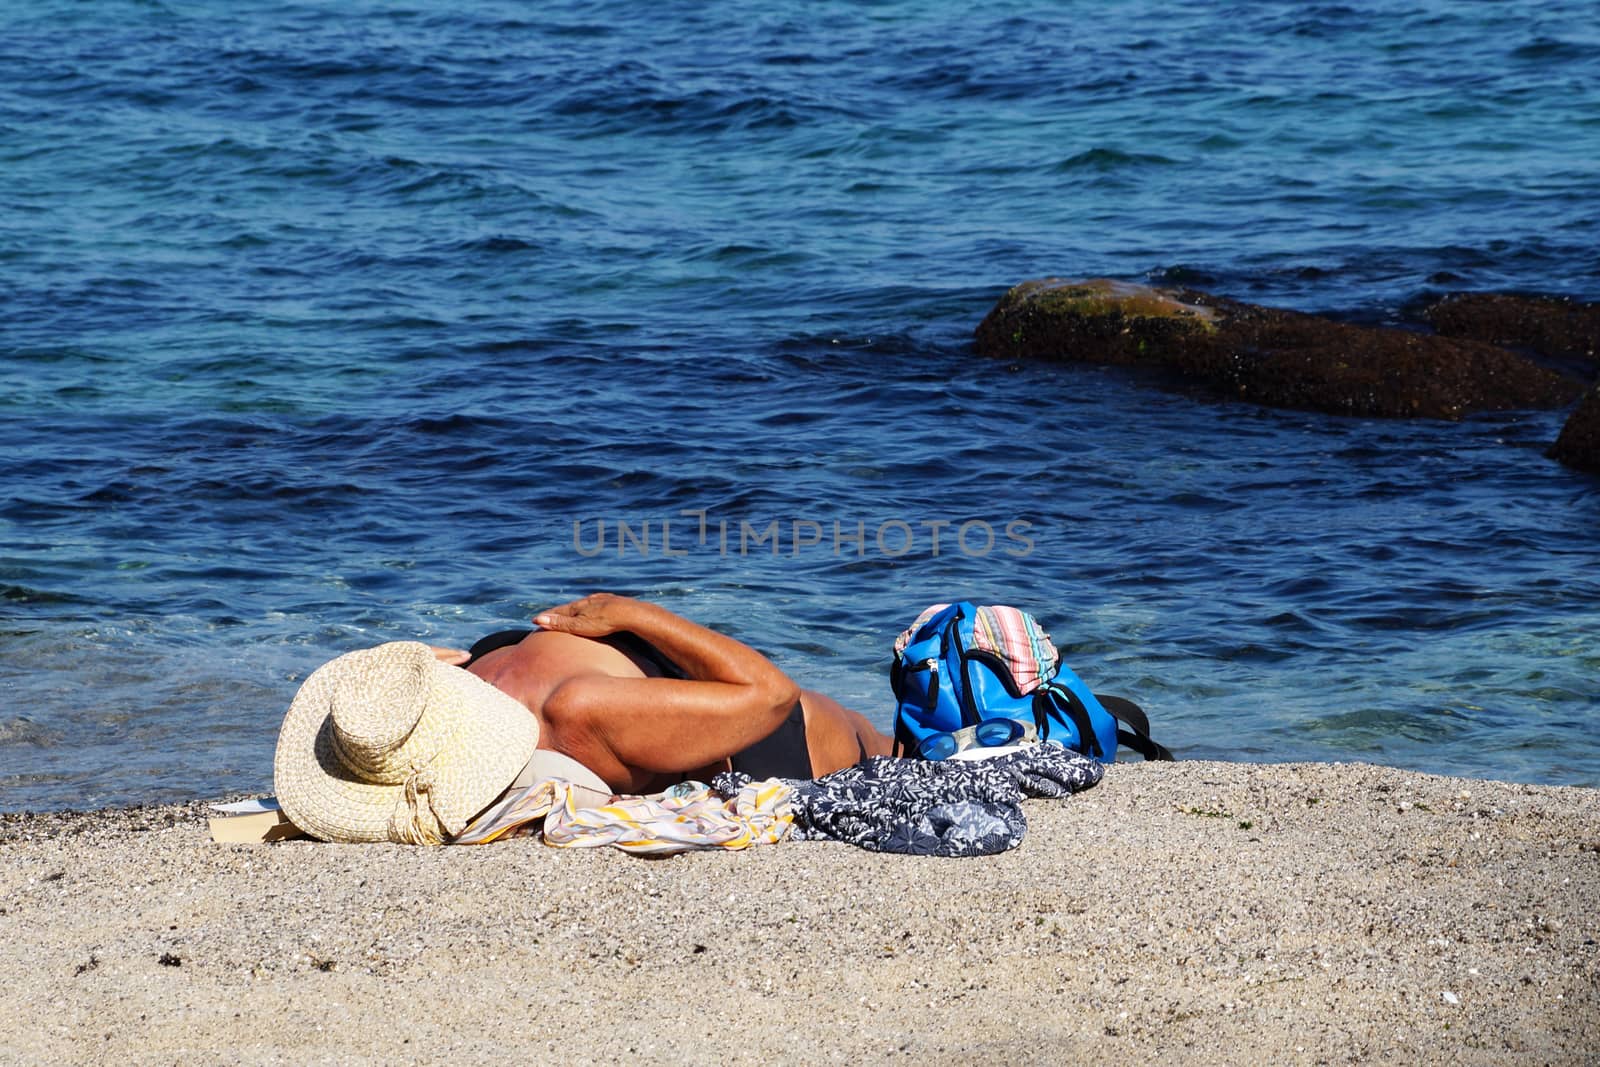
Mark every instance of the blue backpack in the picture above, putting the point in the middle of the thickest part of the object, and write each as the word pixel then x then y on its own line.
pixel 960 664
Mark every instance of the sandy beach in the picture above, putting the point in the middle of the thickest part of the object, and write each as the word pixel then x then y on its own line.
pixel 1190 912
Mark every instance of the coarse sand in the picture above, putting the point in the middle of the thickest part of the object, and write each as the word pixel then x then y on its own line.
pixel 1188 913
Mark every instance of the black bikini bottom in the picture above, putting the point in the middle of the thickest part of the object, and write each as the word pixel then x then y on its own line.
pixel 781 754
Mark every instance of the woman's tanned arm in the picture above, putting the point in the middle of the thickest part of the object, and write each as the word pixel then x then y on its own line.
pixel 734 696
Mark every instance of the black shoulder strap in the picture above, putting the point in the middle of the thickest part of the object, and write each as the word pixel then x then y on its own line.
pixel 1052 695
pixel 905 744
pixel 1150 750
pixel 1137 734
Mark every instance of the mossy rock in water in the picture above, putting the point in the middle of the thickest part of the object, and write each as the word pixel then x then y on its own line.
pixel 1266 355
pixel 1578 446
pixel 1552 325
pixel 1098 320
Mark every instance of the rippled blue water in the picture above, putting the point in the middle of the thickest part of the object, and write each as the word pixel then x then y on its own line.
pixel 325 323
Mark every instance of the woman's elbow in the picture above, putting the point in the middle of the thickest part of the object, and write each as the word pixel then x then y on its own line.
pixel 782 696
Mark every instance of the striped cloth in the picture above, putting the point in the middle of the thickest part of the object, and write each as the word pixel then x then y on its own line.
pixel 687 817
pixel 1009 633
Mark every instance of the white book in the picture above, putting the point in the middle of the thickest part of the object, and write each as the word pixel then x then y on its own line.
pixel 251 822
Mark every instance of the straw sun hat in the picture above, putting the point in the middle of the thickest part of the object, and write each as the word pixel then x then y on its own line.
pixel 389 744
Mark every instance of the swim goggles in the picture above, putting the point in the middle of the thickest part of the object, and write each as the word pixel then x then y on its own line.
pixel 990 733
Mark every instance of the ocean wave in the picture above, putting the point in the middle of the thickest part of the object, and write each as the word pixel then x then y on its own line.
pixel 1110 159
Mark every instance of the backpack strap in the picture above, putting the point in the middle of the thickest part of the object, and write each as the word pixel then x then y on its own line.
pixel 1137 734
pixel 1053 695
pixel 905 743
pixel 1150 750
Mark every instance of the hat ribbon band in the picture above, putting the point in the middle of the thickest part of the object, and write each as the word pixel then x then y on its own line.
pixel 417 823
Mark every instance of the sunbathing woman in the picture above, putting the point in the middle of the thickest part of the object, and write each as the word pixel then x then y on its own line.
pixel 612 695
pixel 645 698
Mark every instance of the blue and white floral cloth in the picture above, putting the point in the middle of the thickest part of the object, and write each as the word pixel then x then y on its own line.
pixel 928 808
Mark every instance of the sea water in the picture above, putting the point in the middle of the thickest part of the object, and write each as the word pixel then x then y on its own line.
pixel 333 323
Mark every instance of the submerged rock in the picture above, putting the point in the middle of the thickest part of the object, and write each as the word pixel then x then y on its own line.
pixel 1554 326
pixel 1578 446
pixel 1561 329
pixel 1095 321
pixel 1266 355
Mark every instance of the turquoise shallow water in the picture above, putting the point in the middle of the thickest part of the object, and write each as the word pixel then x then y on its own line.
pixel 325 326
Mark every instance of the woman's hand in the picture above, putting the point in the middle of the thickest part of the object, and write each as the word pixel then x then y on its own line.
pixel 593 616
pixel 453 656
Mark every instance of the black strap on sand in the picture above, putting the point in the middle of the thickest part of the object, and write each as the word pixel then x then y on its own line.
pixel 1137 734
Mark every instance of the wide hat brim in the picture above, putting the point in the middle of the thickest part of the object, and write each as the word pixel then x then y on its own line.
pixel 487 737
